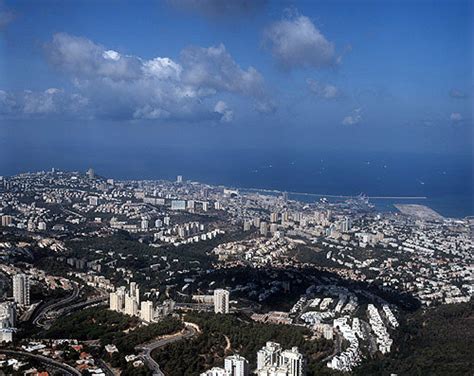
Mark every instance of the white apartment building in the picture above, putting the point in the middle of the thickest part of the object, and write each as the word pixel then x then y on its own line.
pixel 21 289
pixel 272 361
pixel 293 360
pixel 7 315
pixel 131 306
pixel 221 301
pixel 146 311
pixel 236 365
pixel 269 355
pixel 117 300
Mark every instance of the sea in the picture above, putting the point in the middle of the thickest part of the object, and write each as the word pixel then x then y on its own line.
pixel 441 182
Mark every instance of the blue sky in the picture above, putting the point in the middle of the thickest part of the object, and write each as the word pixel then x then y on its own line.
pixel 339 75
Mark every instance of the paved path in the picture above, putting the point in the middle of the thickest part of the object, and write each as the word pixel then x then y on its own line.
pixel 146 349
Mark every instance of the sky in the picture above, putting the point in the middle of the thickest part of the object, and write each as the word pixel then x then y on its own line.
pixel 126 76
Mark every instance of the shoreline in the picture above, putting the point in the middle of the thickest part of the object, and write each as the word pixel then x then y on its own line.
pixel 334 196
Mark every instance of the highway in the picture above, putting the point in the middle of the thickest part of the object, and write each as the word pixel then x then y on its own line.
pixel 41 315
pixel 147 349
pixel 65 369
pixel 50 311
pixel 65 310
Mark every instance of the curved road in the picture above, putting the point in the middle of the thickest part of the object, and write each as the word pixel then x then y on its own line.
pixel 49 312
pixel 146 349
pixel 64 368
pixel 52 306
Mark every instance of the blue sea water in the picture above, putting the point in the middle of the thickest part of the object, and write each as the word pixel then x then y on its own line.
pixel 445 181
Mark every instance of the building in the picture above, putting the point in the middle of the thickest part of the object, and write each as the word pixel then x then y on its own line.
pixel 93 200
pixel 269 355
pixel 146 311
pixel 236 365
pixel 131 306
pixel 166 308
pixel 346 225
pixel 134 291
pixel 221 301
pixel 6 335
pixel 117 300
pixel 90 173
pixel 256 222
pixel 7 315
pixel 179 179
pixel 215 371
pixel 6 220
pixel 273 371
pixel 293 360
pixel 263 228
pixel 178 205
pixel 272 361
pixel 126 302
pixel 31 226
pixel 21 289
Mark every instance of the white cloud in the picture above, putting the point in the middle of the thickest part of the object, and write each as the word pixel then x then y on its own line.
pixel 49 102
pixel 111 55
pixel 214 68
pixel 354 118
pixel 456 117
pixel 222 109
pixel 115 85
pixel 8 103
pixel 326 91
pixel 85 59
pixel 162 68
pixel 297 42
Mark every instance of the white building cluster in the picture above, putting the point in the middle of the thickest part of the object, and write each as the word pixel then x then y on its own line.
pixel 384 341
pixel 234 365
pixel 350 357
pixel 128 302
pixel 273 361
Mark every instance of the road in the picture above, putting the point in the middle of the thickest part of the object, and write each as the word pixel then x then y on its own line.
pixel 40 316
pixel 146 349
pixel 107 370
pixel 50 311
pixel 65 369
pixel 66 310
